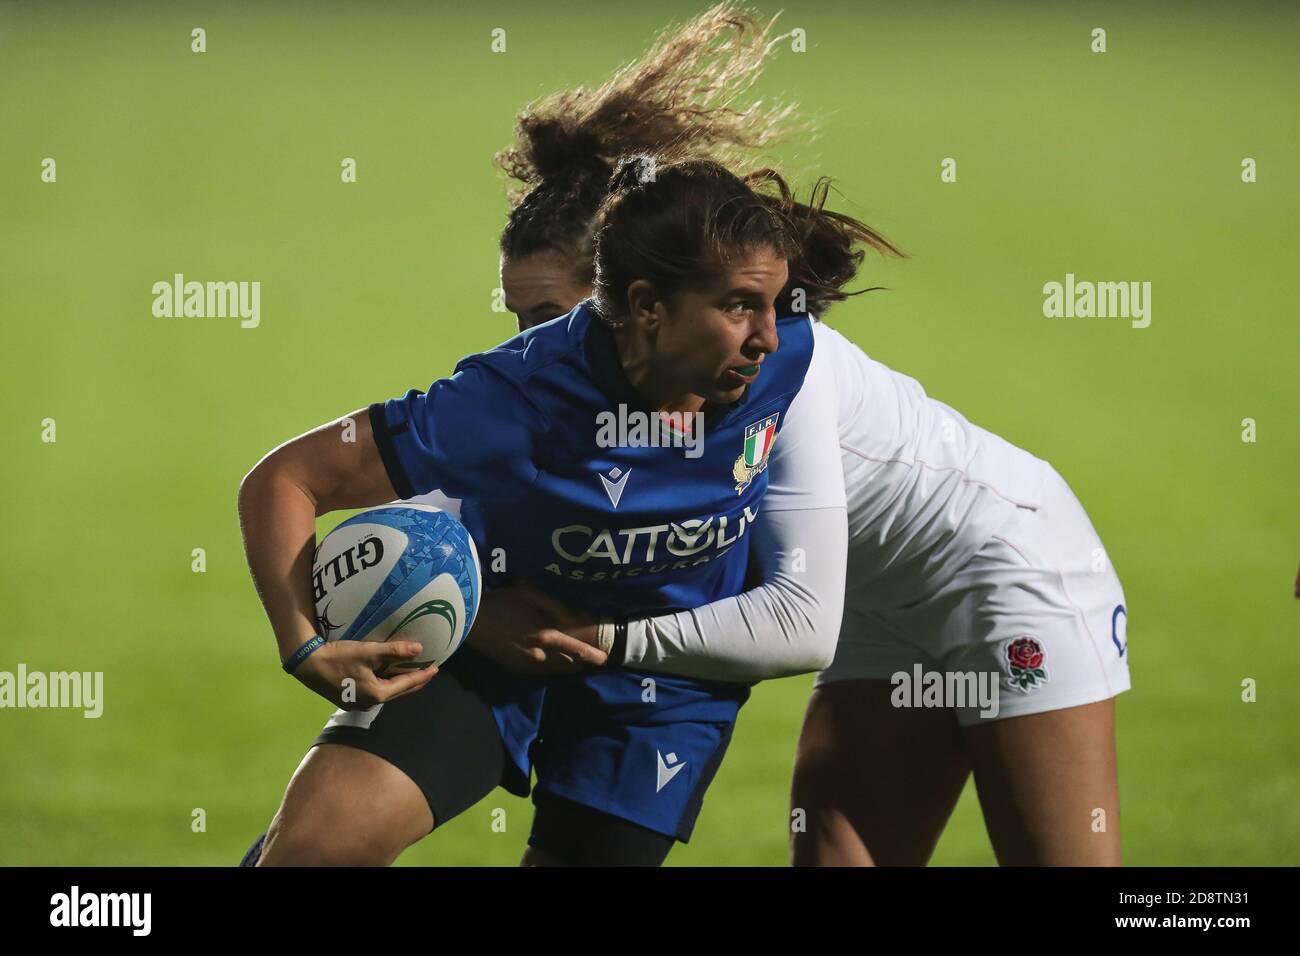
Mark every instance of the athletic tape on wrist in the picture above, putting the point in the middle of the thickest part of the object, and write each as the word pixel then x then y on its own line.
pixel 605 634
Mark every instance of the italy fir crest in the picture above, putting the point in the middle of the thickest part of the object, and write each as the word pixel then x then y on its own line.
pixel 758 445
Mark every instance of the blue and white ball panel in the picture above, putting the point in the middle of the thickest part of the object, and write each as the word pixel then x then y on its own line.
pixel 406 571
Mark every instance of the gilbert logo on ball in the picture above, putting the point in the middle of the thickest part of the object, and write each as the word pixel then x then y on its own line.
pixel 408 572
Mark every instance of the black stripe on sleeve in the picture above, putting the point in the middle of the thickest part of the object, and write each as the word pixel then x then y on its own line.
pixel 387 453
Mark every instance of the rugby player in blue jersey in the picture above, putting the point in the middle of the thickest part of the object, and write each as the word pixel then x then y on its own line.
pixel 689 262
pixel 714 57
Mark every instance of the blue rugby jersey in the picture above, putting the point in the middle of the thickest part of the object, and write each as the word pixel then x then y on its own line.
pixel 513 432
pixel 614 530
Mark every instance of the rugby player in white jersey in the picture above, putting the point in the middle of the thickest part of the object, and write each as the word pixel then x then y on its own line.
pixel 966 556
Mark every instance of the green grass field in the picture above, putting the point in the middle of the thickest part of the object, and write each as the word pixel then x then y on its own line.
pixel 1123 165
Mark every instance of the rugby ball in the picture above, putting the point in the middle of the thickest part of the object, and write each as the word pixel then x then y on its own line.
pixel 400 571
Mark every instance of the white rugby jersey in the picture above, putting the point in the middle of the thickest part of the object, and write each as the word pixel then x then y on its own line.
pixel 925 488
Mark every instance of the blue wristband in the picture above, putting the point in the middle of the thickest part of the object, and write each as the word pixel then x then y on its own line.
pixel 302 653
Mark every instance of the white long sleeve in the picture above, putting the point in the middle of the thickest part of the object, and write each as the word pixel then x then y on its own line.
pixel 789 624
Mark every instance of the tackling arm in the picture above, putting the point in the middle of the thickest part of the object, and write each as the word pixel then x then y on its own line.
pixel 791 623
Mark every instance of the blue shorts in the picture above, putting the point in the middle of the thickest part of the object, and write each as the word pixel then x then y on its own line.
pixel 642 747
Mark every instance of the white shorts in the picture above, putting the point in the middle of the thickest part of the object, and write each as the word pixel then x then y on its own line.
pixel 1038 612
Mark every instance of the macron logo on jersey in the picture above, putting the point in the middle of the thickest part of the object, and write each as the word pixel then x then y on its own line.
pixel 668 768
pixel 614 489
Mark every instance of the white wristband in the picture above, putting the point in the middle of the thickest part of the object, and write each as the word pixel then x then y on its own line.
pixel 605 635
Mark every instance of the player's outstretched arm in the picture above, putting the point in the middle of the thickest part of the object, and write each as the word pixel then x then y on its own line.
pixel 279 501
pixel 789 625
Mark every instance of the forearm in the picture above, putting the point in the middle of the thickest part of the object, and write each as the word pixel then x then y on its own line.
pixel 788 625
pixel 279 501
pixel 278 521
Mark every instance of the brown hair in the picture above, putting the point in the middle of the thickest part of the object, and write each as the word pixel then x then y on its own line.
pixel 829 246
pixel 677 226
pixel 677 103
pixel 679 100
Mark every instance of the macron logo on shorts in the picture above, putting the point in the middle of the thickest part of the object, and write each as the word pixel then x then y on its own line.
pixel 668 768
